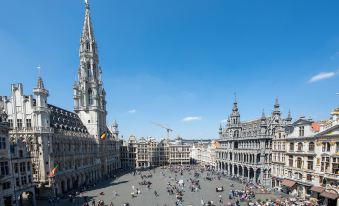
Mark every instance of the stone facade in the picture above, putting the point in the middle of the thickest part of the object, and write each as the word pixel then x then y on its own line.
pixel 179 152
pixel 145 153
pixel 16 185
pixel 204 153
pixel 312 160
pixel 246 147
pixel 278 152
pixel 71 141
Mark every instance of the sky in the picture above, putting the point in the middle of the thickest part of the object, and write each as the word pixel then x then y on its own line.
pixel 179 62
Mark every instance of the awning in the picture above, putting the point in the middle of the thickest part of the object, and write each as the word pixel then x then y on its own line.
pixel 288 183
pixel 317 189
pixel 329 195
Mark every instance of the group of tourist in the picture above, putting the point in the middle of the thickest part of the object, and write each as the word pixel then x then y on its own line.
pixel 183 180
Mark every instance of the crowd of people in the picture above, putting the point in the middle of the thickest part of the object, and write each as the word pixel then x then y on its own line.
pixel 184 181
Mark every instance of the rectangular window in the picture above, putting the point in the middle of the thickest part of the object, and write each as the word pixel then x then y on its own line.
pixel 22 167
pixel 10 121
pixel 19 123
pixel 2 143
pixel 309 177
pixel 310 163
pixel 4 169
pixel 17 180
pixel 290 160
pixel 16 167
pixel 6 185
pixel 301 131
pixel 28 123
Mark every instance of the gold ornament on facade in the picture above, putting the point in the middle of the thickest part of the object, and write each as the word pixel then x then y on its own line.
pixel 318 143
pixel 333 143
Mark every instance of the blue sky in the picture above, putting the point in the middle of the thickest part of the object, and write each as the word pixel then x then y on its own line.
pixel 167 61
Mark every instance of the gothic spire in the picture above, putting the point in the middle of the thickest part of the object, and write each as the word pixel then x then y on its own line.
pixel 89 94
pixel 289 116
pixel 87 29
pixel 276 106
pixel 40 84
pixel 263 116
pixel 235 103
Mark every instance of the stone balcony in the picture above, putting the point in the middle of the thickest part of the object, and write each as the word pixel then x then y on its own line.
pixel 32 130
pixel 300 152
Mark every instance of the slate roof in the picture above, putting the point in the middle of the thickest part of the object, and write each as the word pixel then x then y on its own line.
pixel 66 120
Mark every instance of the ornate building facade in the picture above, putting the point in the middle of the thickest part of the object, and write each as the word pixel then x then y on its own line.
pixel 246 147
pixel 67 149
pixel 145 153
pixel 16 185
pixel 204 153
pixel 312 160
pixel 278 152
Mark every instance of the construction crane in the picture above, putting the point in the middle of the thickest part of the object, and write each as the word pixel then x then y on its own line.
pixel 168 130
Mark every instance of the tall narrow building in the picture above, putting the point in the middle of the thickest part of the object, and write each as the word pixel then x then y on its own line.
pixel 89 94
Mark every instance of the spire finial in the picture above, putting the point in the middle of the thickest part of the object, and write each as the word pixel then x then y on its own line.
pixel 235 97
pixel 39 70
pixel 276 102
pixel 289 116
pixel 87 4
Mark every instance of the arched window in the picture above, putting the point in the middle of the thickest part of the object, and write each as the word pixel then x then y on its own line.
pixel 90 96
pixel 236 133
pixel 291 146
pixel 300 146
pixel 311 146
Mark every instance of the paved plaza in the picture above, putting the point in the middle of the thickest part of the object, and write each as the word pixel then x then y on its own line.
pixel 124 185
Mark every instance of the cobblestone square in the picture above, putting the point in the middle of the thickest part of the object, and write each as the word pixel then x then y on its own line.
pixel 124 185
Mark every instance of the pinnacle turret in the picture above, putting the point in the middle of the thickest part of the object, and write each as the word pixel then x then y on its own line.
pixel 276 107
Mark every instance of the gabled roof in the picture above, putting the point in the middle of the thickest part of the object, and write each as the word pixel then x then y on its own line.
pixel 328 131
pixel 302 121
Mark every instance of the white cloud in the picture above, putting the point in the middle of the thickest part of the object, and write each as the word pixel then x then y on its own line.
pixel 190 119
pixel 322 76
pixel 132 111
pixel 224 121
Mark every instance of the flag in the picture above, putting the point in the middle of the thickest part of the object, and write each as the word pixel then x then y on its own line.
pixel 54 171
pixel 108 135
pixel 103 136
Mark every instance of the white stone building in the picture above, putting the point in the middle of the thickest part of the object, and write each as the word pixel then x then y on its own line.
pixel 246 147
pixel 72 142
pixel 312 160
pixel 204 153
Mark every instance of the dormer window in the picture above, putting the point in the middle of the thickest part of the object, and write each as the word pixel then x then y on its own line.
pixel 301 131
